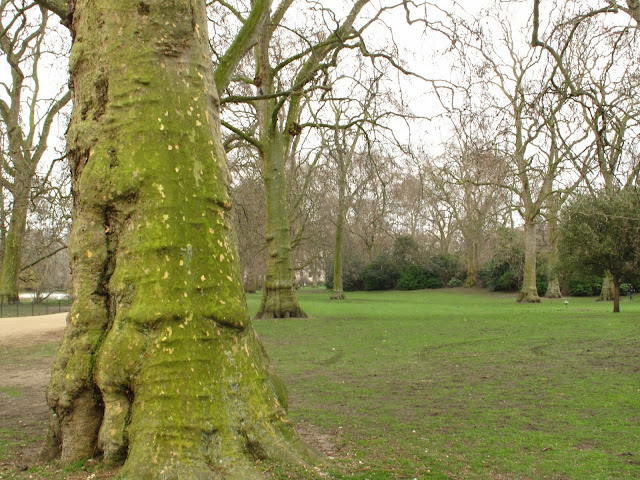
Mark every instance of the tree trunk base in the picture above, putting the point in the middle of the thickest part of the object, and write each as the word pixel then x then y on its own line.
pixel 10 299
pixel 162 394
pixel 553 290
pixel 470 282
pixel 528 297
pixel 279 303
pixel 337 296
pixel 608 292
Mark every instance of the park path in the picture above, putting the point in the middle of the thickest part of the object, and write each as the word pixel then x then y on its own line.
pixel 18 329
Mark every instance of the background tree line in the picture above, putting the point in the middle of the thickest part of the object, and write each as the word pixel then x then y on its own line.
pixel 523 133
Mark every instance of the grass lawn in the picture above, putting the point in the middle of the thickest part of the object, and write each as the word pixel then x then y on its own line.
pixel 459 384
pixel 436 384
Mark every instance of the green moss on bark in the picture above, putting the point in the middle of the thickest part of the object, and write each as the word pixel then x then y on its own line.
pixel 159 348
pixel 529 291
pixel 278 297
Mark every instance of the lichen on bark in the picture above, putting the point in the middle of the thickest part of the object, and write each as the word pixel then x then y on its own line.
pixel 159 366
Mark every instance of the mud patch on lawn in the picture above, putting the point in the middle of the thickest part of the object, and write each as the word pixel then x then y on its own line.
pixel 329 443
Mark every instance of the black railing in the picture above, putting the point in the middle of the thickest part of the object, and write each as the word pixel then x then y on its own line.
pixel 32 309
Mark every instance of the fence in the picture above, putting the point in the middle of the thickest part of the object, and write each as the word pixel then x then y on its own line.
pixel 32 309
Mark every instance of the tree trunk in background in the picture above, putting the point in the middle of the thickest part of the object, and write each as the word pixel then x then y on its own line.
pixel 553 286
pixel 278 293
pixel 472 265
pixel 13 246
pixel 616 294
pixel 529 291
pixel 608 288
pixel 159 364
pixel 338 287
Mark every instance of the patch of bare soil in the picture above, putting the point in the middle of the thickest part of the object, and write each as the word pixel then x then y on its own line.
pixel 329 443
pixel 23 383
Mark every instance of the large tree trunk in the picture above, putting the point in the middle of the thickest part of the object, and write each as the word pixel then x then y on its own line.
pixel 529 291
pixel 338 288
pixel 553 288
pixel 159 365
pixel 278 295
pixel 13 247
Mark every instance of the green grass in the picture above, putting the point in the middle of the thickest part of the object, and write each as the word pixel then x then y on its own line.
pixel 465 384
pixel 11 391
pixel 27 356
pixel 445 384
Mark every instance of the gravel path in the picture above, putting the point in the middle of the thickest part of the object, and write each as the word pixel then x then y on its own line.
pixel 17 328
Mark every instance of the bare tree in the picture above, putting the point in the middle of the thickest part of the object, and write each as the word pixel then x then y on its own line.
pixel 524 97
pixel 28 112
pixel 470 172
pixel 596 60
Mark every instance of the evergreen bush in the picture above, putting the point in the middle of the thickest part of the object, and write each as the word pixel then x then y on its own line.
pixel 380 274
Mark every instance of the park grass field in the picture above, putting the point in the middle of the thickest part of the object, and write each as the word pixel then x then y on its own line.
pixel 464 384
pixel 435 384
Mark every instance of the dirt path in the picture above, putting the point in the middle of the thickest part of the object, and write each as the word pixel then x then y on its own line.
pixel 27 349
pixel 19 331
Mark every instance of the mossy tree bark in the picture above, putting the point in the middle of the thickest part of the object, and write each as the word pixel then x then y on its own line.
pixel 13 247
pixel 159 366
pixel 607 293
pixel 529 290
pixel 278 297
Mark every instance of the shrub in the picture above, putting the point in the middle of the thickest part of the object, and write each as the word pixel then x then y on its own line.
pixel 433 282
pixel 413 278
pixel 624 288
pixel 416 278
pixel 498 276
pixel 455 282
pixel 542 283
pixel 584 286
pixel 380 274
pixel 506 282
pixel 406 252
pixel 449 266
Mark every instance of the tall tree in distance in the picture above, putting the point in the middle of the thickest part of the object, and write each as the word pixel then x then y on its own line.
pixel 596 59
pixel 278 121
pixel 602 232
pixel 348 152
pixel 525 96
pixel 27 115
pixel 159 367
